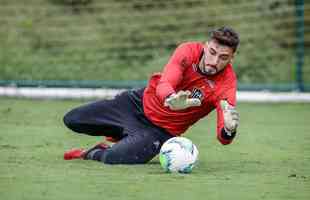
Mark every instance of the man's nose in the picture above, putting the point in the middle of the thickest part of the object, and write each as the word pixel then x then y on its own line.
pixel 213 61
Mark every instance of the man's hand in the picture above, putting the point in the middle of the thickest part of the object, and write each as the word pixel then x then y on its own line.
pixel 231 117
pixel 181 100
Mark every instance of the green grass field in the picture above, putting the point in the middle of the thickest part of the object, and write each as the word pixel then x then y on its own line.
pixel 270 158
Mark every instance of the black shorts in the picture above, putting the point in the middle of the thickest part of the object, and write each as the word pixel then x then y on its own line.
pixel 121 118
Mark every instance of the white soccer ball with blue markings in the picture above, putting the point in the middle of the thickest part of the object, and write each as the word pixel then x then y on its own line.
pixel 178 154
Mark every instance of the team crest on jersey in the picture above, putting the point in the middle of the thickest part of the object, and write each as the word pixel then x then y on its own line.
pixel 197 93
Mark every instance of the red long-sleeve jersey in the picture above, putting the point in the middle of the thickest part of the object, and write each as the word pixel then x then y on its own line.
pixel 182 73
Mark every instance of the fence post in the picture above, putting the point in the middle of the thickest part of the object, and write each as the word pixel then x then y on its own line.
pixel 300 51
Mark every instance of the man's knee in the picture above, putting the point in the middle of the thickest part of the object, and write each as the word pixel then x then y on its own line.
pixel 72 119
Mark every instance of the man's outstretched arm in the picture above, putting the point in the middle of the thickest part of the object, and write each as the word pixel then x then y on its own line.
pixel 227 117
pixel 172 74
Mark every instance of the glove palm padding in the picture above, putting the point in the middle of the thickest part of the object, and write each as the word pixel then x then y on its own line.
pixel 231 116
pixel 181 100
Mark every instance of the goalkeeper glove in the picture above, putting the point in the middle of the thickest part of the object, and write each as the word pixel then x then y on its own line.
pixel 231 117
pixel 181 100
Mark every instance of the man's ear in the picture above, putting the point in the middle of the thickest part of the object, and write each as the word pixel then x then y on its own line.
pixel 232 58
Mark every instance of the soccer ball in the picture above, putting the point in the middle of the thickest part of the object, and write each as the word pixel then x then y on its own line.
pixel 178 154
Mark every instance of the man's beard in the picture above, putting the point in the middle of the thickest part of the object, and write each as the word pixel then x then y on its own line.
pixel 207 70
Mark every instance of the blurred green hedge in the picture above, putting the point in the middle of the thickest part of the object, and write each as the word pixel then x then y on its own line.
pixel 128 40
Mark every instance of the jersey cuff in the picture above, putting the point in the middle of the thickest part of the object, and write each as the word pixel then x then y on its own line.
pixel 163 90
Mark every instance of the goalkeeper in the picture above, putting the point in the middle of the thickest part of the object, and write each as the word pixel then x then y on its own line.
pixel 197 79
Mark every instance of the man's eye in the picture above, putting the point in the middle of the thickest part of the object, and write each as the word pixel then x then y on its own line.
pixel 212 52
pixel 224 57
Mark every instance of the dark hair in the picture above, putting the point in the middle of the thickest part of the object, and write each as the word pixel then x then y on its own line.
pixel 226 36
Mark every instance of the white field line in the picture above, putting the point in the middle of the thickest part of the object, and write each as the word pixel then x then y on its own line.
pixel 265 96
pixel 58 93
pixel 88 93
